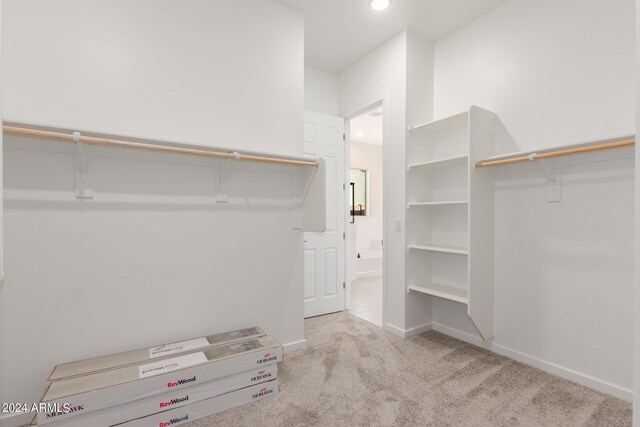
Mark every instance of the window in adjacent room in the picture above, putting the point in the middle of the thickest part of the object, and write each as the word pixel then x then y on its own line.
pixel 358 192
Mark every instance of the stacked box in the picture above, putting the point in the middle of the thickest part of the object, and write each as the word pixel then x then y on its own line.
pixel 171 400
pixel 207 407
pixel 224 374
pixel 98 364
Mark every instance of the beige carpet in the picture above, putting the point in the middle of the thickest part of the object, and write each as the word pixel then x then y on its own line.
pixel 356 374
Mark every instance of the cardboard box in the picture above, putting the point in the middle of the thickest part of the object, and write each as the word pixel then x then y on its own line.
pixel 104 389
pixel 98 364
pixel 171 400
pixel 204 408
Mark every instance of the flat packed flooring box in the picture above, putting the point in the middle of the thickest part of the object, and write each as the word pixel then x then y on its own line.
pixel 109 388
pixel 97 364
pixel 170 400
pixel 185 414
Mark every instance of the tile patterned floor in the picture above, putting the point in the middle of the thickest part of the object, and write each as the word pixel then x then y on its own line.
pixel 366 299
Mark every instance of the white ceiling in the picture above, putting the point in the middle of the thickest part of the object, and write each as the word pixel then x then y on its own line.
pixel 367 127
pixel 340 32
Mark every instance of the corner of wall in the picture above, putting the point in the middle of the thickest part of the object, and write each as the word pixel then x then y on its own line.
pixel 321 91
pixel 636 288
pixel 419 72
pixel 381 76
pixel 420 81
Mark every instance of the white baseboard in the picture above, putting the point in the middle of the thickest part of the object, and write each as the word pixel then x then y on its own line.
pixel 407 333
pixel 15 420
pixel 568 374
pixel 296 345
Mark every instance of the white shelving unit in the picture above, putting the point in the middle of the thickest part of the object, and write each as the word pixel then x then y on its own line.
pixel 441 248
pixel 450 219
pixel 443 203
pixel 450 293
pixel 441 163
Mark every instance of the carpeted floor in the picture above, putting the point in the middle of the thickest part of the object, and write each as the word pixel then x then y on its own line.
pixel 355 374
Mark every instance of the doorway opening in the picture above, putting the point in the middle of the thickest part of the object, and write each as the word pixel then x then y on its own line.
pixel 365 252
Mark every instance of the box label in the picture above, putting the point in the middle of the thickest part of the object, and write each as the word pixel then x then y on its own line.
pixel 168 365
pixel 264 391
pixel 174 421
pixel 178 347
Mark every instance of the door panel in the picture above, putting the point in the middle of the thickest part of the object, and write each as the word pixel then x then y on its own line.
pixel 331 278
pixel 325 252
pixel 309 274
pixel 332 196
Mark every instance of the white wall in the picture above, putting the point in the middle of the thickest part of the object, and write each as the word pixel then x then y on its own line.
pixel 191 72
pixel 555 73
pixel 383 75
pixel 320 91
pixel 636 288
pixel 420 68
pixel 153 258
pixel 1 174
pixel 566 65
pixel 368 228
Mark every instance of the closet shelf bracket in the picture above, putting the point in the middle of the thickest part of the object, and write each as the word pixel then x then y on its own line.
pixel 553 180
pixel 83 189
pixel 224 165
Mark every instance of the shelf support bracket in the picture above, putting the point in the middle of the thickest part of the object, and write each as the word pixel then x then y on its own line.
pixel 553 180
pixel 83 190
pixel 222 195
pixel 307 184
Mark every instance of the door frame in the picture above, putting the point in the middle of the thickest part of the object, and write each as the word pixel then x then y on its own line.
pixel 381 102
pixel 319 308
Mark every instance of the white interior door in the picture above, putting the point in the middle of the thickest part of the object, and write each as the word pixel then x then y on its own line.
pixel 324 253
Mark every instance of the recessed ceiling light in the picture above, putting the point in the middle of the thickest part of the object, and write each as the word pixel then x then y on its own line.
pixel 379 4
pixel 360 133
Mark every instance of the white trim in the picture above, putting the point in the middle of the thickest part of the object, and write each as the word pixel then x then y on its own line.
pixel 558 147
pixel 349 266
pixel 296 345
pixel 393 329
pixel 408 333
pixel 383 102
pixel 568 374
pixel 386 138
pixel 15 420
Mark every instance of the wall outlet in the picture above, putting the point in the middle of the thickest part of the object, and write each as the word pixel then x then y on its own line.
pixel 398 225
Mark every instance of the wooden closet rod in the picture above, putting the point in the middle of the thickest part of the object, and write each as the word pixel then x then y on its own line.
pixel 68 137
pixel 556 153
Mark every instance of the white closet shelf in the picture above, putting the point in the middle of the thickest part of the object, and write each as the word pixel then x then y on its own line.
pixel 441 163
pixel 456 250
pixel 450 121
pixel 433 180
pixel 57 134
pixel 309 173
pixel 447 292
pixel 557 151
pixel 443 203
